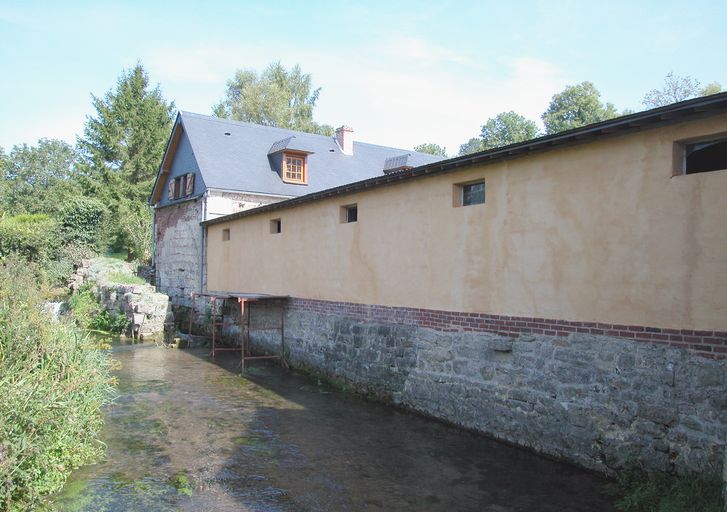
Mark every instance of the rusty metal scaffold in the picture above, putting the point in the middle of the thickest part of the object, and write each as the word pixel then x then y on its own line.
pixel 217 321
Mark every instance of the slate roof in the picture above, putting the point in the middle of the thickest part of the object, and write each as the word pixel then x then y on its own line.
pixel 683 111
pixel 233 155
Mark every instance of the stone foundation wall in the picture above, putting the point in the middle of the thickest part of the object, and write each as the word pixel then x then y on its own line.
pixel 148 311
pixel 177 250
pixel 595 399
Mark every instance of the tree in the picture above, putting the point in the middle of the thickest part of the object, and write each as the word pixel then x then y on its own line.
pixel 576 106
pixel 471 146
pixel 711 88
pixel 432 149
pixel 135 222
pixel 507 128
pixel 275 97
pixel 38 179
pixel 678 88
pixel 123 145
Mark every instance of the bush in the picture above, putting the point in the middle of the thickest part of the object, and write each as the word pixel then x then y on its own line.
pixel 53 384
pixel 58 271
pixel 641 491
pixel 84 306
pixel 107 322
pixel 89 314
pixel 135 224
pixel 35 237
pixel 84 222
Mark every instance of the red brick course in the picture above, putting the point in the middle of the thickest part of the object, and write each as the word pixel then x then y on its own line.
pixel 710 344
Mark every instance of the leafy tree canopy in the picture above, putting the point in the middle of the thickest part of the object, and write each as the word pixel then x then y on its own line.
pixel 37 179
pixel 471 146
pixel 275 97
pixel 507 128
pixel 678 88
pixel 123 143
pixel 432 149
pixel 576 106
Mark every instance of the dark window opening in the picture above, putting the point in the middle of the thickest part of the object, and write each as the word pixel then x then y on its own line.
pixel 473 193
pixel 225 235
pixel 705 156
pixel 181 186
pixel 349 213
pixel 275 226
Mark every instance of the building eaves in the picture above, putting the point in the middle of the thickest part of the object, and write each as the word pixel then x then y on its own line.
pixel 654 118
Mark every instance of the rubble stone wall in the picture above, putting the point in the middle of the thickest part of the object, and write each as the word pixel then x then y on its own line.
pixel 596 400
pixel 177 250
pixel 149 312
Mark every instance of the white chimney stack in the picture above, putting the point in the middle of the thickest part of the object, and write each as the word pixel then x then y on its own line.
pixel 344 138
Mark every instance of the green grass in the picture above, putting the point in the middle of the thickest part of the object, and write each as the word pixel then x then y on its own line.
pixel 640 491
pixel 123 278
pixel 119 256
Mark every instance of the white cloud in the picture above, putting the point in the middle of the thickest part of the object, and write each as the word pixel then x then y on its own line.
pixel 400 92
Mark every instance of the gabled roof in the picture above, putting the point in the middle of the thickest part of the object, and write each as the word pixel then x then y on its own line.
pixel 233 155
pixel 688 110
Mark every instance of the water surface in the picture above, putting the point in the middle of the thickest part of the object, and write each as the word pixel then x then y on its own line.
pixel 186 434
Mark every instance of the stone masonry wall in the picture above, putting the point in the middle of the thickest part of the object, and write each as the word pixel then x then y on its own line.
pixel 178 240
pixel 148 311
pixel 594 399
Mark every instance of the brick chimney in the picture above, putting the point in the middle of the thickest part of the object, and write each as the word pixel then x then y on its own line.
pixel 344 138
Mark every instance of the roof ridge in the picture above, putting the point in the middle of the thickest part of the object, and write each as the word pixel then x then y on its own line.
pixel 223 120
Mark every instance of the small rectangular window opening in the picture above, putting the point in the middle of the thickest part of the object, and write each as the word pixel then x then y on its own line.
pixel 705 156
pixel 349 213
pixel 225 235
pixel 467 194
pixel 275 226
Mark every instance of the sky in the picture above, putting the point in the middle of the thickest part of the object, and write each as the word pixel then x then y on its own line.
pixel 399 73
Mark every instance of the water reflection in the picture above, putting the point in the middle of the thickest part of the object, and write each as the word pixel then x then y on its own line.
pixel 185 434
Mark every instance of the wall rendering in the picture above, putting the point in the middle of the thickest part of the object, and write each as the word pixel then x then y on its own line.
pixel 599 232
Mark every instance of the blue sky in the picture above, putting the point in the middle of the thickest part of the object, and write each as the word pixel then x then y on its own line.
pixel 399 73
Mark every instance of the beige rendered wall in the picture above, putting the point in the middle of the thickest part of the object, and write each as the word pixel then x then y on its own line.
pixel 601 232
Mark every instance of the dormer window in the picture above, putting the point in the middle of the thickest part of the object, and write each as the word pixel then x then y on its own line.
pixel 295 168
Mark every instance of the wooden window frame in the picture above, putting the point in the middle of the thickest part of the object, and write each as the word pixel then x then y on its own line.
pixel 304 170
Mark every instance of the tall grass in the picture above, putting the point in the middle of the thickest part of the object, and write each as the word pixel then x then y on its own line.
pixel 53 384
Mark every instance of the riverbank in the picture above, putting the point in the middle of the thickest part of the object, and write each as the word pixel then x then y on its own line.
pixel 54 383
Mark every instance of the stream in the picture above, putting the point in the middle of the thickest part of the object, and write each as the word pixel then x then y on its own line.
pixel 189 434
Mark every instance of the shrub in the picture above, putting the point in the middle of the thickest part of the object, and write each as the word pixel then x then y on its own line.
pixel 84 220
pixel 89 314
pixel 135 224
pixel 53 384
pixel 58 271
pixel 84 306
pixel 107 322
pixel 35 237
